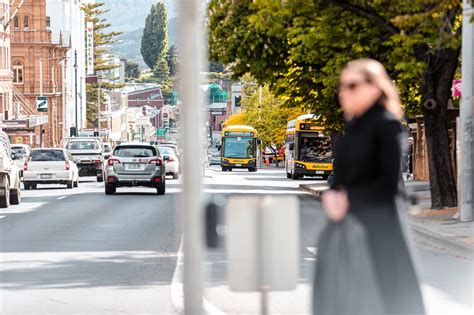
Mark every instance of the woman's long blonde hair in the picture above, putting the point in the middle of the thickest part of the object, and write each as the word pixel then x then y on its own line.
pixel 376 74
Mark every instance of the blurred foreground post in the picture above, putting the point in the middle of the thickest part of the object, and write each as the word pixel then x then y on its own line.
pixel 191 40
pixel 465 203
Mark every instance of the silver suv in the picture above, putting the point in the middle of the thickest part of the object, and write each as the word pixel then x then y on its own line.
pixel 135 164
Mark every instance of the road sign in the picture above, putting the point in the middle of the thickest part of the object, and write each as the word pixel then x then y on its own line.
pixel 90 48
pixel 160 132
pixel 42 103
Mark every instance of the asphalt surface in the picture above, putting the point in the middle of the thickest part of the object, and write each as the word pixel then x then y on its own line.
pixel 82 252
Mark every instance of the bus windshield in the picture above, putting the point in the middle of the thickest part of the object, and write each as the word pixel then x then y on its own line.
pixel 239 147
pixel 315 149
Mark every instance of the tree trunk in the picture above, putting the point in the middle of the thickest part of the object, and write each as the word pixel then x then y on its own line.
pixel 436 91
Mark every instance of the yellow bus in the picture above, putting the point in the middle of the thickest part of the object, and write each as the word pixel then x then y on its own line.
pixel 308 150
pixel 239 148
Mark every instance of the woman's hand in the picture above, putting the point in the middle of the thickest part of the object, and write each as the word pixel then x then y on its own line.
pixel 336 204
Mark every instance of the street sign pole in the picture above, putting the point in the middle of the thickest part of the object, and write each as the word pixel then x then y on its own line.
pixel 465 112
pixel 191 39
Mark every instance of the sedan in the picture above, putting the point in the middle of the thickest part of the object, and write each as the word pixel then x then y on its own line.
pixel 135 164
pixel 171 161
pixel 50 166
pixel 22 152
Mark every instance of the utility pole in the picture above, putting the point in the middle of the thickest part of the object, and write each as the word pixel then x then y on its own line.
pixel 466 202
pixel 191 44
pixel 75 89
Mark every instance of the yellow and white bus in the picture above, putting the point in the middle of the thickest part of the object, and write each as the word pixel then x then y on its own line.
pixel 308 150
pixel 239 148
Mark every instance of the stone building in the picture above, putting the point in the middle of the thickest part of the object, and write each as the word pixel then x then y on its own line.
pixel 38 58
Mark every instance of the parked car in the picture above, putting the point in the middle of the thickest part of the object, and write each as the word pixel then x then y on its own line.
pixel 50 166
pixel 10 190
pixel 135 164
pixel 171 161
pixel 107 150
pixel 214 158
pixel 24 150
pixel 89 154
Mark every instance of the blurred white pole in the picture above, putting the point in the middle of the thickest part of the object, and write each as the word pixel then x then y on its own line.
pixel 191 40
pixel 465 203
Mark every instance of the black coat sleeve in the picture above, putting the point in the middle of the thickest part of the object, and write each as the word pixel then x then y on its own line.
pixel 388 151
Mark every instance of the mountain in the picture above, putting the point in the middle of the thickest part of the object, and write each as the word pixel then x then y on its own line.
pixel 128 16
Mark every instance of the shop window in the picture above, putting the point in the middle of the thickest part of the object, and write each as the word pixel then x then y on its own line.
pixel 26 22
pixel 16 22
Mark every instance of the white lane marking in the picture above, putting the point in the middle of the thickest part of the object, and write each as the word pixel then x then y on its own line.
pixel 2 216
pixel 176 288
pixel 312 250
pixel 62 197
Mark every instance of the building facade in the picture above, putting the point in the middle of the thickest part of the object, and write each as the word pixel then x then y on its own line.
pixel 6 75
pixel 39 58
pixel 66 17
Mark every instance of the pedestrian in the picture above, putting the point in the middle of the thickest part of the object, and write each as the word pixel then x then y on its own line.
pixel 363 203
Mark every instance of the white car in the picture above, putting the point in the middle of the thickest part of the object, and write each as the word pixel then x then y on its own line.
pixel 50 166
pixel 10 190
pixel 24 150
pixel 171 161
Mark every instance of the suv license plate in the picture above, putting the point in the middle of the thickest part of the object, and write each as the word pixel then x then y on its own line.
pixel 134 166
pixel 46 176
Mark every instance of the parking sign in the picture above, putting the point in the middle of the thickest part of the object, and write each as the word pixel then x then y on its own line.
pixel 42 103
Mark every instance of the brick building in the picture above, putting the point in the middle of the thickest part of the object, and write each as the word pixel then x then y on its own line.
pixel 38 59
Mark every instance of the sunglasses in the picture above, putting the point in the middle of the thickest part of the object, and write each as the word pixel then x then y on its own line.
pixel 351 86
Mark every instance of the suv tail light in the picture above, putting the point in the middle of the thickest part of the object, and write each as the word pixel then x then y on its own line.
pixel 156 162
pixel 25 166
pixel 68 167
pixel 111 162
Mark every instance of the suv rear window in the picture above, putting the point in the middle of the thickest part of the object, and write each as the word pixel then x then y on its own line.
pixel 47 155
pixel 83 145
pixel 135 151
pixel 21 150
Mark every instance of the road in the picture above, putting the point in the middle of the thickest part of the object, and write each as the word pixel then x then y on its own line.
pixel 81 252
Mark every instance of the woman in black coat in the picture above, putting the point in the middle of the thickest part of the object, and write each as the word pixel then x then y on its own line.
pixel 367 187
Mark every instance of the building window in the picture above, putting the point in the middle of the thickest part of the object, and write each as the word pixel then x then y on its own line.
pixel 26 22
pixel 17 72
pixel 16 22
pixel 48 21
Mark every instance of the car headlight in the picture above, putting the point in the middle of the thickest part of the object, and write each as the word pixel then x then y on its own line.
pixel 298 165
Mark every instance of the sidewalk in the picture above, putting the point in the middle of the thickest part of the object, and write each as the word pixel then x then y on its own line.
pixel 438 227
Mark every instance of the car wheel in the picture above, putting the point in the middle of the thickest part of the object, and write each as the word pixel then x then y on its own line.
pixel 70 185
pixel 34 186
pixel 295 176
pixel 161 189
pixel 15 195
pixel 110 189
pixel 27 186
pixel 76 183
pixel 100 178
pixel 175 176
pixel 252 169
pixel 5 199
pixel 288 175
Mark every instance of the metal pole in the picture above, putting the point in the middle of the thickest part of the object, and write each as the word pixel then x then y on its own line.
pixel 191 39
pixel 98 108
pixel 41 76
pixel 466 205
pixel 75 88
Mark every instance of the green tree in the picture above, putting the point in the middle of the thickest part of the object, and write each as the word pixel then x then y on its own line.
pixel 154 44
pixel 299 47
pixel 162 71
pixel 102 42
pixel 172 60
pixel 132 69
pixel 270 117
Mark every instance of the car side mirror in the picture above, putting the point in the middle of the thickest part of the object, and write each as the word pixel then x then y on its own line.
pixel 291 147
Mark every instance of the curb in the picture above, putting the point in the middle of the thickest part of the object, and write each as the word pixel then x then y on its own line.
pixel 452 246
